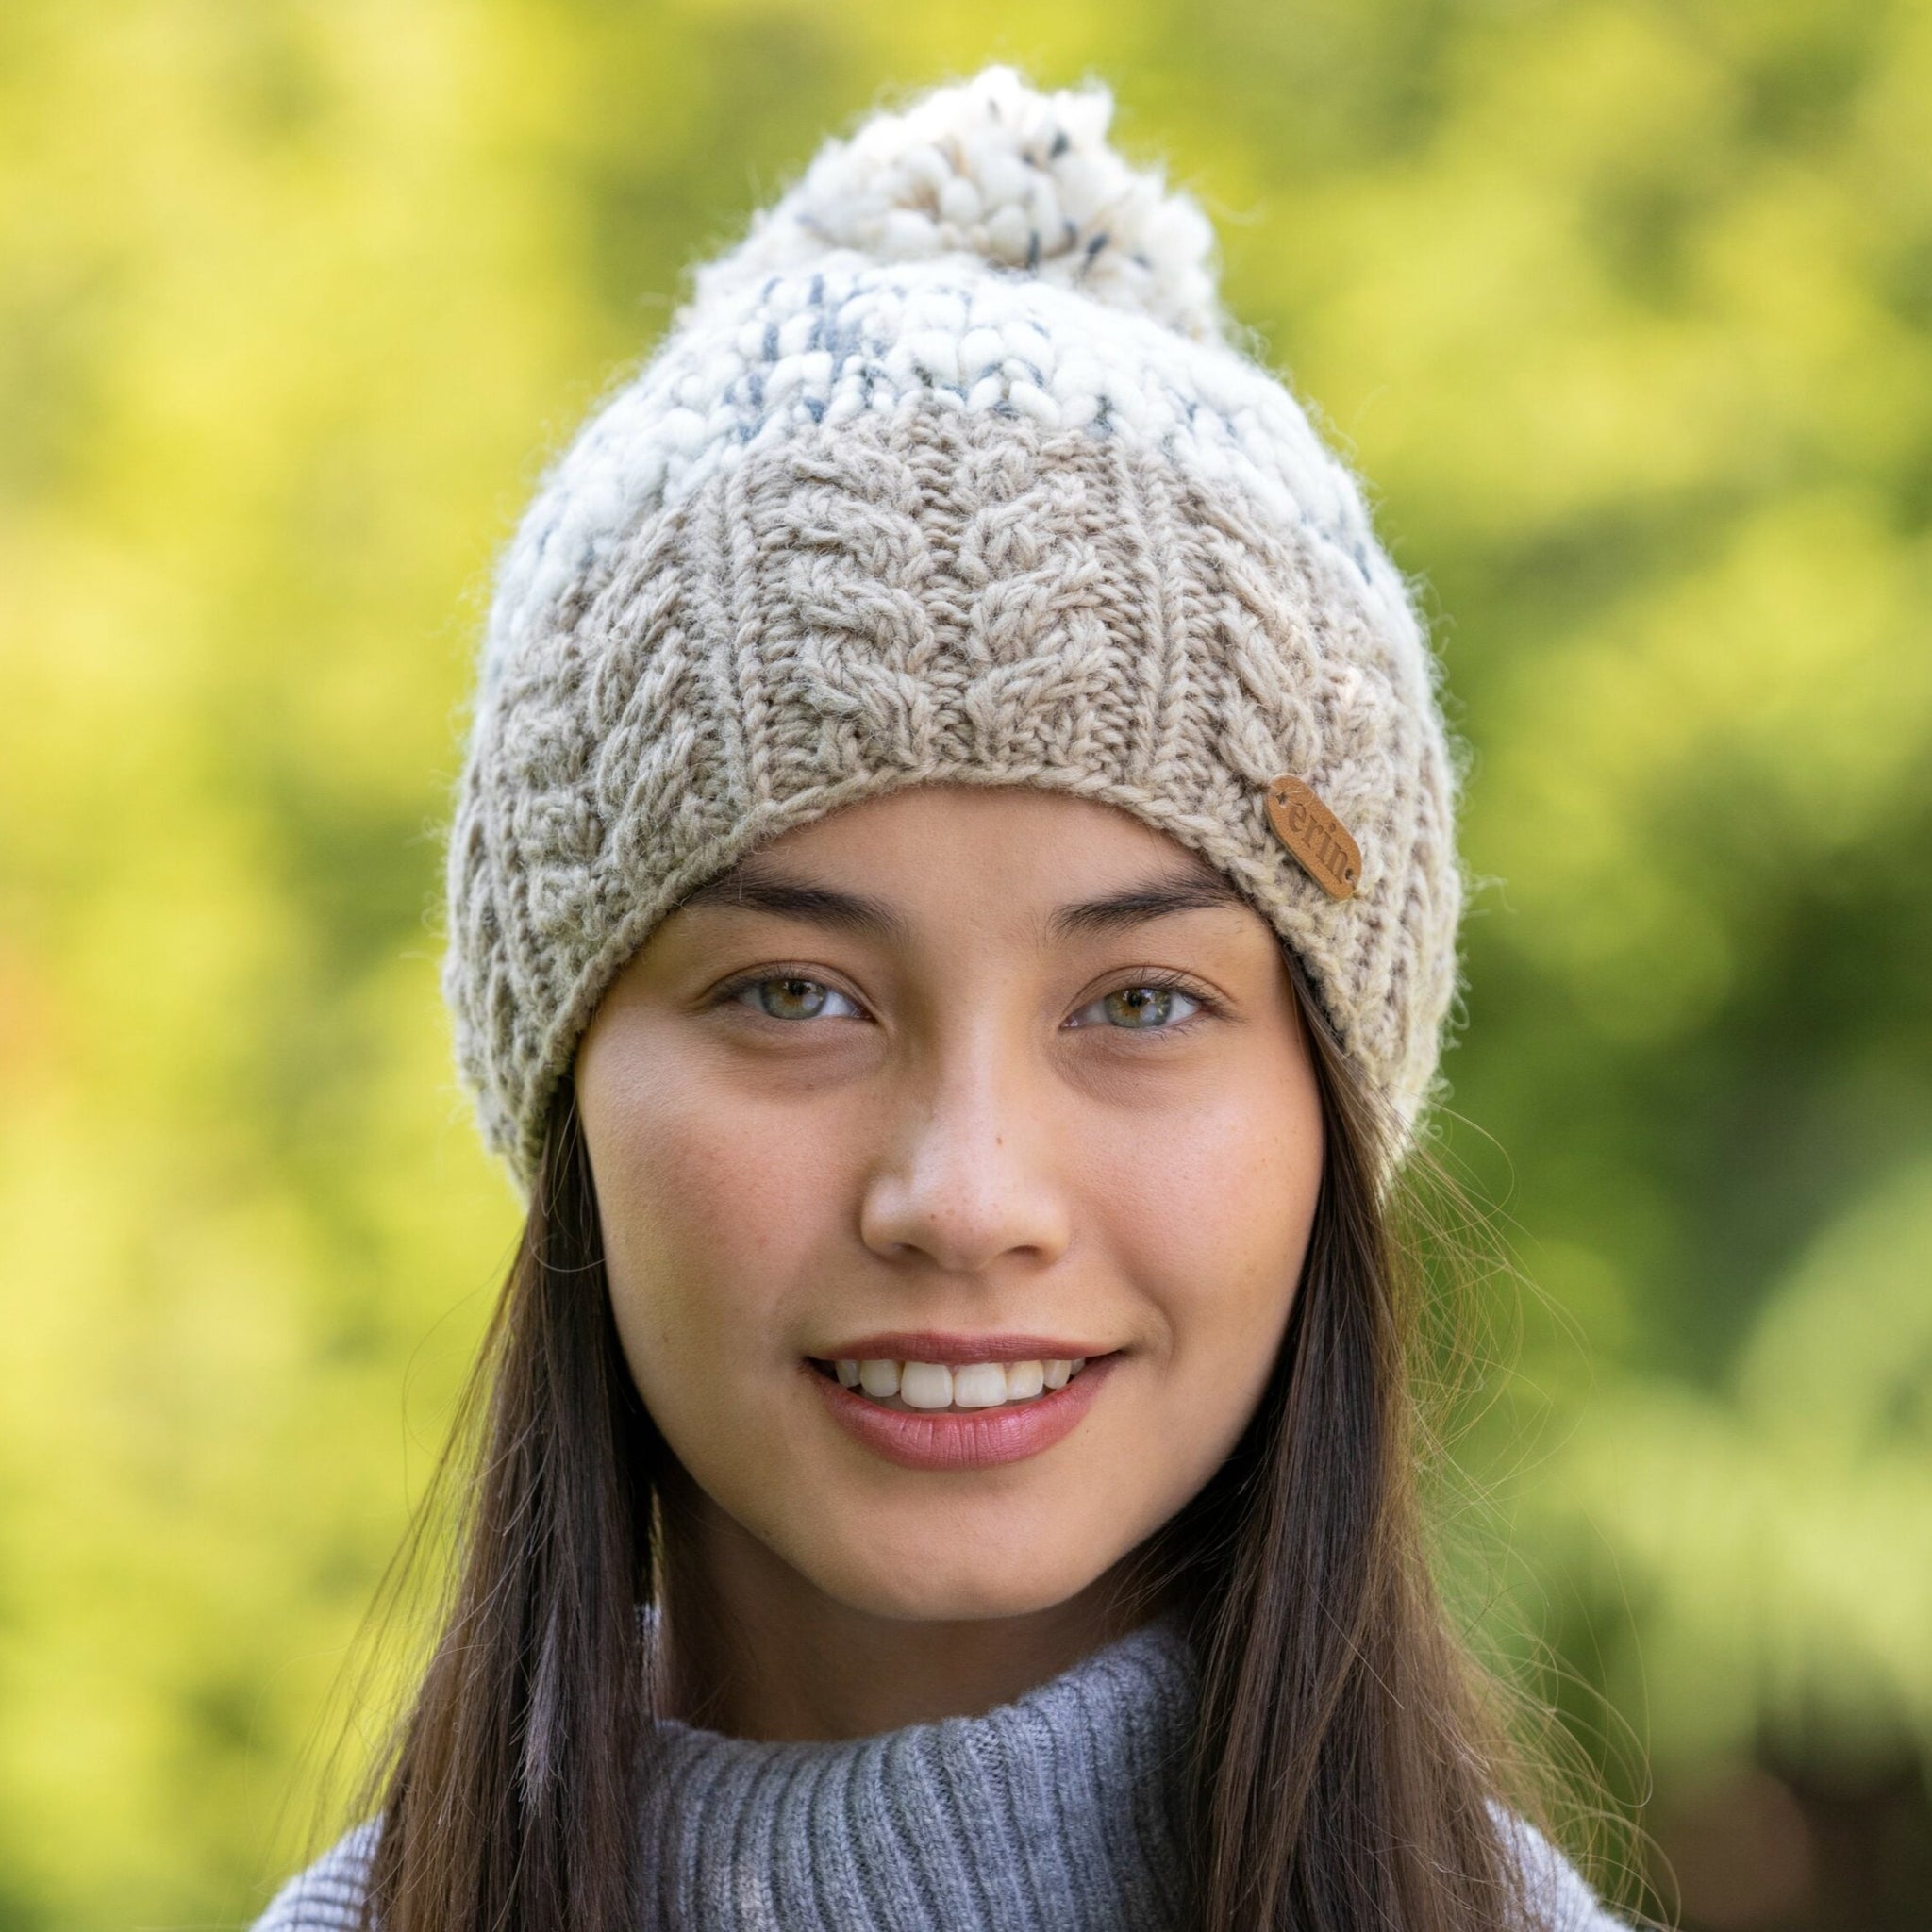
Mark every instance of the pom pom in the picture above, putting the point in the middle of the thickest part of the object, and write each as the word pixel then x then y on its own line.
pixel 993 168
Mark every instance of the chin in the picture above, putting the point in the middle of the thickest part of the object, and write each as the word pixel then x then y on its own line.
pixel 958 1586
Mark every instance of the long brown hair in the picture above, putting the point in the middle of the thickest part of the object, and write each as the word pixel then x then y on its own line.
pixel 1348 1765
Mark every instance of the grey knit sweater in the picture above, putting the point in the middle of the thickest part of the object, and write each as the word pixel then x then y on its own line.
pixel 1059 1812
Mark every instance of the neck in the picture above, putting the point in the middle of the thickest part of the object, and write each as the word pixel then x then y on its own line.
pixel 752 1649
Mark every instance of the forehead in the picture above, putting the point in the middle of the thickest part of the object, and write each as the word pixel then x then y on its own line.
pixel 1011 831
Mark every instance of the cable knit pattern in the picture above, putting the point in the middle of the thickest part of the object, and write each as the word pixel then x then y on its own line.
pixel 944 475
pixel 1062 1813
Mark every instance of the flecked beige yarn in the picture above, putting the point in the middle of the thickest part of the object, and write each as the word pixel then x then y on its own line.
pixel 921 489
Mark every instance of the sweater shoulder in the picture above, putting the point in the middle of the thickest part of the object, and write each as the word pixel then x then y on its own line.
pixel 327 1897
pixel 1558 1896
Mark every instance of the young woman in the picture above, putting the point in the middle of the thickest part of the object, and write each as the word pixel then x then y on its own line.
pixel 952 910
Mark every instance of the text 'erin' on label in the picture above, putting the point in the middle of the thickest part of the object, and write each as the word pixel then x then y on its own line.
pixel 1316 837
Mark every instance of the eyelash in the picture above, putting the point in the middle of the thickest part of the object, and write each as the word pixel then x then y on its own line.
pixel 1160 979
pixel 765 977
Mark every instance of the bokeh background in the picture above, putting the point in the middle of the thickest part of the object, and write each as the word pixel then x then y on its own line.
pixel 1624 308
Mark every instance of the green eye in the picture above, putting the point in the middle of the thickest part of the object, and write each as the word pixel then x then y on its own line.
pixel 792 997
pixel 1141 1008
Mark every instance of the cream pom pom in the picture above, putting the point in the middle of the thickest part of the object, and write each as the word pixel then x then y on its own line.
pixel 995 168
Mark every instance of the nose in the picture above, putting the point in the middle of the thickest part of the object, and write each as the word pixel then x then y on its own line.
pixel 966 1179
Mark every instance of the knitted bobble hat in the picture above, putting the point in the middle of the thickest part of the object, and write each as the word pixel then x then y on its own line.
pixel 948 472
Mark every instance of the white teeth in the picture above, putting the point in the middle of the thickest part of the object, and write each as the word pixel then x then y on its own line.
pixel 972 1385
pixel 925 1385
pixel 982 1384
pixel 879 1378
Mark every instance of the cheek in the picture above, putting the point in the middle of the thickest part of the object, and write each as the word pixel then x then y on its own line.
pixel 1213 1234
pixel 1212 1215
pixel 707 1227
pixel 716 1221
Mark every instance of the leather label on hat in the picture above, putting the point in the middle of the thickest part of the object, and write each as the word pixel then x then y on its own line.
pixel 1316 837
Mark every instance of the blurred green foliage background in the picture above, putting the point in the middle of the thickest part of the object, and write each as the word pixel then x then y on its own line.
pixel 1626 311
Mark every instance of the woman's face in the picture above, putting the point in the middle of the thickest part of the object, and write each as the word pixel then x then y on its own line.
pixel 981 1081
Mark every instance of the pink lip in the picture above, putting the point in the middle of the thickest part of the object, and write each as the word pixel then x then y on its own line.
pixel 911 1345
pixel 964 1439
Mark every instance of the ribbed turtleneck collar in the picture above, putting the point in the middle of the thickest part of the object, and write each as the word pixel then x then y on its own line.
pixel 1061 1811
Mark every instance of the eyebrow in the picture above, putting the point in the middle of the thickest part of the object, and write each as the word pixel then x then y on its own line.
pixel 751 888
pixel 1155 898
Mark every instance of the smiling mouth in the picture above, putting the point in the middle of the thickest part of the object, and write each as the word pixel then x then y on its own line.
pixel 915 1388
